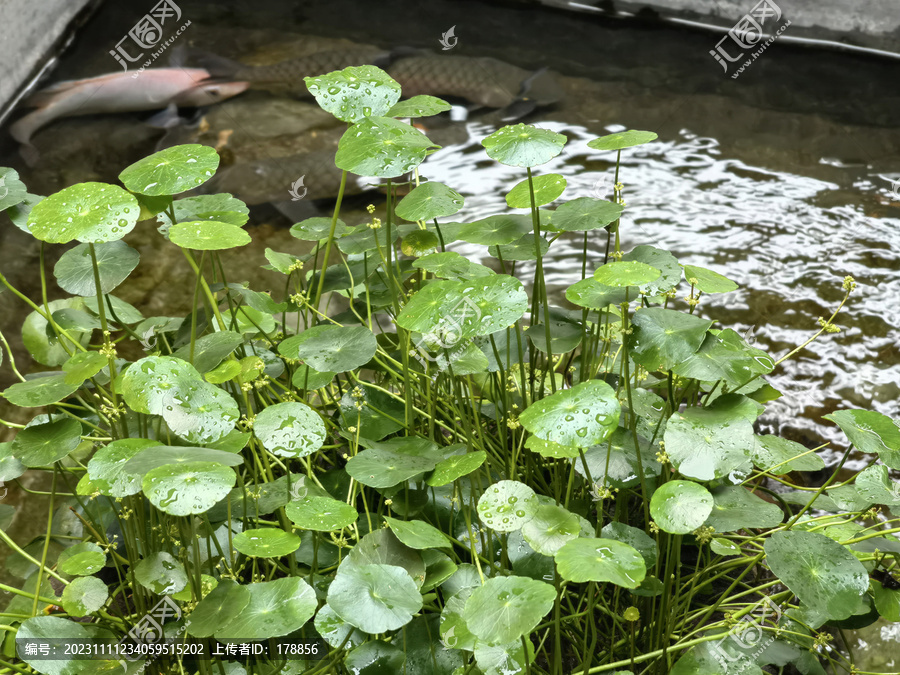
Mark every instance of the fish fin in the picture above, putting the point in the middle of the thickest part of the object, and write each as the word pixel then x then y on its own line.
pixel 517 109
pixel 165 119
pixel 48 94
pixel 217 66
pixel 29 153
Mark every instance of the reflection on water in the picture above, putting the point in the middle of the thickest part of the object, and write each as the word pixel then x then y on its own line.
pixel 788 239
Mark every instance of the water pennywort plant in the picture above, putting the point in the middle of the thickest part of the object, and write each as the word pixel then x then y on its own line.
pixel 444 473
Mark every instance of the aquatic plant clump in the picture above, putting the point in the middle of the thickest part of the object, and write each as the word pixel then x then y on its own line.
pixel 446 473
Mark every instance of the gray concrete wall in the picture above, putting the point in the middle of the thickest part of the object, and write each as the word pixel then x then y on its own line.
pixel 30 31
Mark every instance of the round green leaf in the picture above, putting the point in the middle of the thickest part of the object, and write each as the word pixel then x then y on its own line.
pixel 382 147
pixel 161 573
pixel 584 214
pixel 355 93
pixel 707 444
pixel 496 230
pixel 86 212
pixel 276 608
pixel 189 488
pixel 523 145
pixel 53 627
pixel 228 599
pixel 507 505
pixel 418 106
pixel 374 598
pixel 721 546
pixel 417 533
pixel 44 444
pixel 428 201
pixel 780 456
pixel 707 280
pixel 582 416
pixel 10 467
pixel 329 348
pixel 451 265
pixel 455 310
pixel 40 391
pixel 84 596
pixel 221 207
pixel 383 468
pixel 448 470
pixel 19 213
pixel 290 429
pixel 551 527
pixel 310 378
pixel 680 506
pixel 639 540
pixel 876 486
pixel 374 657
pixel 736 508
pixel 210 350
pixel 321 514
pixel 153 455
pixel 107 467
pixel 208 235
pixel 592 294
pixel 314 229
pixel 614 462
pixel 523 248
pixel 725 355
pixel 871 432
pixel 75 272
pixel 266 542
pixel 81 559
pixel 84 365
pixel 381 547
pixel 419 242
pixel 171 171
pixel 506 608
pixel 41 346
pixel 547 188
pixel 590 559
pixel 631 273
pixel 823 574
pixel 551 449
pixel 12 190
pixel 622 140
pixel 663 338
pixel 335 631
pixel 375 414
pixel 665 262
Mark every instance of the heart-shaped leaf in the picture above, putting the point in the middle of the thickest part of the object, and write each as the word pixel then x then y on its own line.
pixel 506 608
pixel 547 188
pixel 582 416
pixel 449 469
pixel 329 348
pixel 818 570
pixel 374 598
pixel 189 488
pixel 706 444
pixel 871 432
pixel 44 444
pixel 355 93
pixel 523 145
pixel 417 533
pixel 85 212
pixel 681 506
pixel 382 147
pixel 40 391
pixel 171 171
pixel 663 338
pixel 84 596
pixel 584 214
pixel 428 201
pixel 275 608
pixel 75 273
pixel 590 559
pixel 289 429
